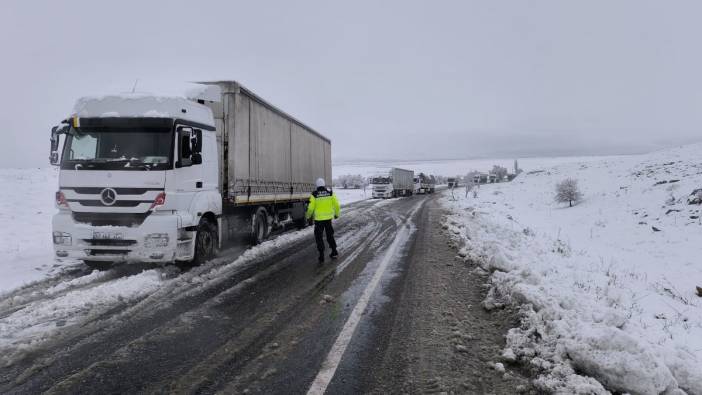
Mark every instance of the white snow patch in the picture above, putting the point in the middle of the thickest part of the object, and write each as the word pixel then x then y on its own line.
pixel 26 207
pixel 37 322
pixel 347 196
pixel 142 105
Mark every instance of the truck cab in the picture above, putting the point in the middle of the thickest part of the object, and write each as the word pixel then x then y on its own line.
pixel 138 181
pixel 382 188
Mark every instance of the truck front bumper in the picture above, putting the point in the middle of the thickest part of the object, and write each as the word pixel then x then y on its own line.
pixel 155 240
pixel 382 194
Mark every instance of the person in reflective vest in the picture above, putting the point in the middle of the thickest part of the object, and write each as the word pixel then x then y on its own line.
pixel 323 208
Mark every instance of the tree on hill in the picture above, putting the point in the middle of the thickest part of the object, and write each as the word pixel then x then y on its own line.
pixel 567 191
pixel 500 172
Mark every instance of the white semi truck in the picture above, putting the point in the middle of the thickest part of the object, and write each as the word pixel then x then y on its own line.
pixel 162 179
pixel 396 182
pixel 424 184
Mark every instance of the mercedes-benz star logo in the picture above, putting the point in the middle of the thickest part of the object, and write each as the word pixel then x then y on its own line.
pixel 108 196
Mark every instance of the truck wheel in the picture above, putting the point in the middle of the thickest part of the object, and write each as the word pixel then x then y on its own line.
pixel 205 242
pixel 99 265
pixel 260 228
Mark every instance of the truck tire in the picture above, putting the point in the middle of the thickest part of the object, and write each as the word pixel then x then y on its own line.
pixel 99 265
pixel 205 242
pixel 260 227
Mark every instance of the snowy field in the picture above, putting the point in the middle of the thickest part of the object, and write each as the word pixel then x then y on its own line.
pixel 26 207
pixel 605 294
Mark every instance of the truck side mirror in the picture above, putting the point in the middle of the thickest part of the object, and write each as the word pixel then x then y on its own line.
pixel 197 147
pixel 196 158
pixel 54 158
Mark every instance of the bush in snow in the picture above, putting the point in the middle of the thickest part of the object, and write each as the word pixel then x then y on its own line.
pixel 567 191
pixel 695 197
pixel 352 181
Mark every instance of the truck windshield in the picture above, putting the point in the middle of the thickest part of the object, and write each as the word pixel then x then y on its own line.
pixel 118 149
pixel 380 180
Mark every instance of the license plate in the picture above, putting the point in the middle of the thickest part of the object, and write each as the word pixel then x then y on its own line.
pixel 108 236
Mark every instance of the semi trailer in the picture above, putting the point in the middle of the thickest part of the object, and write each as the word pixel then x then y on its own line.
pixel 162 179
pixel 393 183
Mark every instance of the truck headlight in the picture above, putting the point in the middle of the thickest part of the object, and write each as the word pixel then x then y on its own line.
pixel 62 238
pixel 156 240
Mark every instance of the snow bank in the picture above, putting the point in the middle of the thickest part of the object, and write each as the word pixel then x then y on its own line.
pixel 604 295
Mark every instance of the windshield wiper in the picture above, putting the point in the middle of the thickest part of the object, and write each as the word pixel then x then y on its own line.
pixel 120 159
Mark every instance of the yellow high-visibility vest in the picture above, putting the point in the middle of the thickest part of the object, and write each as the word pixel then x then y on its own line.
pixel 323 205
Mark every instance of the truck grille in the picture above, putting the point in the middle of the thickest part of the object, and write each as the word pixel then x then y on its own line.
pixel 120 191
pixel 109 242
pixel 111 219
pixel 119 203
pixel 107 252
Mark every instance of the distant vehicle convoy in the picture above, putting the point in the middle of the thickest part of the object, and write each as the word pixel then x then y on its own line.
pixel 162 179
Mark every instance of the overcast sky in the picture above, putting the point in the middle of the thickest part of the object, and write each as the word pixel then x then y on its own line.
pixel 398 80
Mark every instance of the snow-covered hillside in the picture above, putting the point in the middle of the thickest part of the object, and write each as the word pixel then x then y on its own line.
pixel 609 283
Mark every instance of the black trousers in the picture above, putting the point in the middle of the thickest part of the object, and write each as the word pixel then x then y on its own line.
pixel 319 228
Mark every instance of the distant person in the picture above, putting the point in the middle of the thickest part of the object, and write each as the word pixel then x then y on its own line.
pixel 323 207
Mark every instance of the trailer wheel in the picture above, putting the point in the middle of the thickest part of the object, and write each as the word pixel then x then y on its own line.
pixel 260 227
pixel 205 242
pixel 99 265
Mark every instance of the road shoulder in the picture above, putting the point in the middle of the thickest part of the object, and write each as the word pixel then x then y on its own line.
pixel 440 338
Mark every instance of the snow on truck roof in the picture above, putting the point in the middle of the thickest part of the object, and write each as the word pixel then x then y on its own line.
pixel 140 105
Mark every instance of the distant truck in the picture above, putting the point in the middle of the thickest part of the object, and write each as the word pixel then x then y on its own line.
pixel 481 178
pixel 163 179
pixel 424 184
pixel 396 182
pixel 453 182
